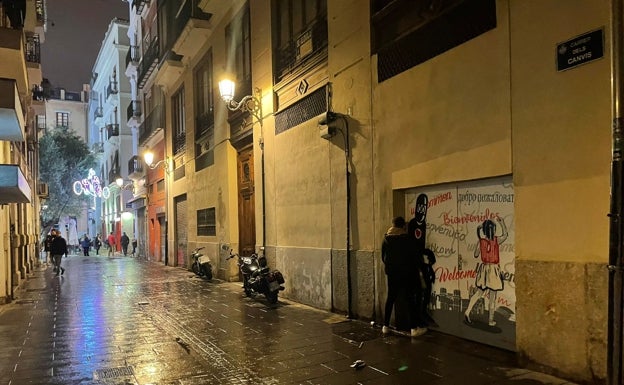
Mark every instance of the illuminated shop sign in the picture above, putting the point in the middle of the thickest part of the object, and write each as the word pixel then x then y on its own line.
pixel 91 186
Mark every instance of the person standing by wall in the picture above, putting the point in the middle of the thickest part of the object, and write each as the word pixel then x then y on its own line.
pixel 46 247
pixel 397 253
pixel 134 246
pixel 58 248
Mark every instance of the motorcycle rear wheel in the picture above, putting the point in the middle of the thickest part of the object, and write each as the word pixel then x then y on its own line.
pixel 208 273
pixel 271 297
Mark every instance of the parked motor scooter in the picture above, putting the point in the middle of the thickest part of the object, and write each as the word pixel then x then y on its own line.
pixel 258 278
pixel 201 264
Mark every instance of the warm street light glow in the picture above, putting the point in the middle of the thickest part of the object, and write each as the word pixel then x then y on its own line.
pixel 250 103
pixel 148 156
pixel 226 89
pixel 119 180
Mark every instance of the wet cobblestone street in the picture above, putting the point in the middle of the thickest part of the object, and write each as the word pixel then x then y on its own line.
pixel 119 320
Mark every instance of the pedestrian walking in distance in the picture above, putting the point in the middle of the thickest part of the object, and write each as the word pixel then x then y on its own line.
pixel 111 244
pixel 85 243
pixel 58 248
pixel 97 243
pixel 134 246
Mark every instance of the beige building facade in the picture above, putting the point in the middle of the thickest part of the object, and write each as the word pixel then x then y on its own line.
pixel 481 120
pixel 21 32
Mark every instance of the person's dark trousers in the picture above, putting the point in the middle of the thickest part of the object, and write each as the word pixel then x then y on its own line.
pixel 396 285
pixel 125 249
pixel 97 251
pixel 85 251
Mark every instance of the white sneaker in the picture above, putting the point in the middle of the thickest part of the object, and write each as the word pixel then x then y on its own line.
pixel 418 332
pixel 385 330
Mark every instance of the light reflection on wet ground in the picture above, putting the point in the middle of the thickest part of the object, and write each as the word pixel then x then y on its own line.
pixel 123 321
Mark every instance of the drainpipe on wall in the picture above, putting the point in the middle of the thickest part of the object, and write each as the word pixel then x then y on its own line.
pixel 616 217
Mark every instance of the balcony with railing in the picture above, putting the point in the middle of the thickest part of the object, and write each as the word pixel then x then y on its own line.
pixel 135 168
pixel 179 142
pixel 112 130
pixel 33 49
pixel 148 62
pixel 152 124
pixel 309 45
pixel 134 113
pixel 191 28
pixel 12 123
pixel 138 5
pixel 111 89
pixel 13 58
pixel 132 60
pixel 204 125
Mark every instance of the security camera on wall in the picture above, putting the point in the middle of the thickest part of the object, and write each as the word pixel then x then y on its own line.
pixel 327 124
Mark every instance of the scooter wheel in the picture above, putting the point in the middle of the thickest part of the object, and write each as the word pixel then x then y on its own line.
pixel 208 274
pixel 195 269
pixel 272 297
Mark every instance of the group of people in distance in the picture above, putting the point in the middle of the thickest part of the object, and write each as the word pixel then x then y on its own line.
pixel 55 247
pixel 408 265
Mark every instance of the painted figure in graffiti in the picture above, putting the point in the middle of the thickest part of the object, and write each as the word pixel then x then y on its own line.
pixel 488 280
pixel 417 229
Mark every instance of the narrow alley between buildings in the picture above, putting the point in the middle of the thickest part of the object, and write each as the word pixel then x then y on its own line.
pixel 121 320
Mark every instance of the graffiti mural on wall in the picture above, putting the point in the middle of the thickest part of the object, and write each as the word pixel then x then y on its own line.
pixel 470 228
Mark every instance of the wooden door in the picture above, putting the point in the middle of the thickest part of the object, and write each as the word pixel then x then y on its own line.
pixel 246 205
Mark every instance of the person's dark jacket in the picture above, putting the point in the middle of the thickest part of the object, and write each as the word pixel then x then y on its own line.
pixel 58 246
pixel 125 241
pixel 48 242
pixel 86 242
pixel 398 253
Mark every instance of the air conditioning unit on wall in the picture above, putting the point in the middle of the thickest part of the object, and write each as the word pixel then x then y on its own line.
pixel 42 190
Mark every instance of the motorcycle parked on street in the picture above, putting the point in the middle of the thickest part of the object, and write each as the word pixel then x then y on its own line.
pixel 258 278
pixel 201 264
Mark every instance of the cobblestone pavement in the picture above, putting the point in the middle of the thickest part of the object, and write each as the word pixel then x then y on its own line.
pixel 118 320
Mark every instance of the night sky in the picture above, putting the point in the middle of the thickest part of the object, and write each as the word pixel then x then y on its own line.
pixel 72 44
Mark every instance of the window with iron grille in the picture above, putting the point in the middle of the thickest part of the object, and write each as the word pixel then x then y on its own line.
pixel 405 33
pixel 206 222
pixel 204 107
pixel 238 38
pixel 178 121
pixel 62 119
pixel 300 34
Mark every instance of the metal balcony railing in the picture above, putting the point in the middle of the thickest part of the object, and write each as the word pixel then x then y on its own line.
pixel 112 130
pixel 152 122
pixel 33 49
pixel 175 22
pixel 179 142
pixel 204 124
pixel 148 62
pixel 138 6
pixel 40 10
pixel 133 56
pixel 135 165
pixel 306 45
pixel 37 93
pixel 134 109
pixel 111 89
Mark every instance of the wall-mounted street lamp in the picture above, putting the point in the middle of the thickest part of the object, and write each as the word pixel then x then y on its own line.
pixel 148 156
pixel 250 103
pixel 253 105
pixel 124 185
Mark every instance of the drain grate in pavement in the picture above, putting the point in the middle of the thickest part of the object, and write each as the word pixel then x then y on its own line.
pixel 113 372
pixel 24 301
